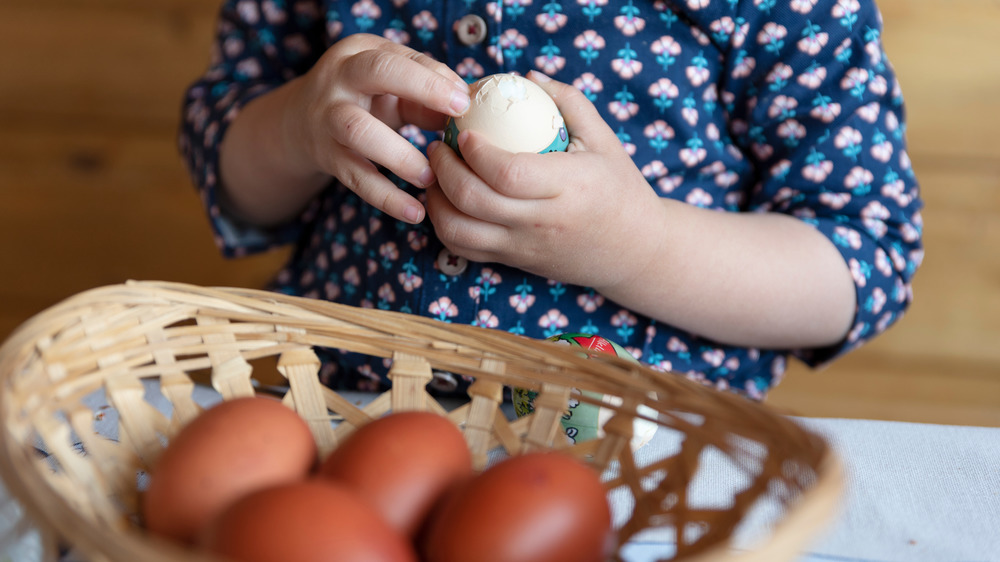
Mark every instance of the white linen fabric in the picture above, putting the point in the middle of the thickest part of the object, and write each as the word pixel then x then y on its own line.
pixel 914 493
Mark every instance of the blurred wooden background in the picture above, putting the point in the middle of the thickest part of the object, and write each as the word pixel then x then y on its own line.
pixel 94 192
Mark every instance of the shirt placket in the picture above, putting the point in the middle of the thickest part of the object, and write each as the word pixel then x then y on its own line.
pixel 467 27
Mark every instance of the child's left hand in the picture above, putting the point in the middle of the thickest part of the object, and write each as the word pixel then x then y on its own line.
pixel 577 217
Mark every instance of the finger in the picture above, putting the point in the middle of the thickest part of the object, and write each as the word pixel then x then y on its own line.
pixel 408 75
pixel 583 122
pixel 417 114
pixel 467 192
pixel 364 179
pixel 395 113
pixel 360 42
pixel 522 175
pixel 425 60
pixel 356 129
pixel 463 234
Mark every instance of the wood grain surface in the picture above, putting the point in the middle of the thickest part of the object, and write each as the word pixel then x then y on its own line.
pixel 94 191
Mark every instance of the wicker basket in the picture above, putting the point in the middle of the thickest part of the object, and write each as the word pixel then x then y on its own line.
pixel 111 339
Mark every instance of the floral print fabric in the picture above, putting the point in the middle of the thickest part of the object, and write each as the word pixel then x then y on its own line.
pixel 786 106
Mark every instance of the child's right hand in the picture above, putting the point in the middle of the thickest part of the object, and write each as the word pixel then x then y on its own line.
pixel 343 116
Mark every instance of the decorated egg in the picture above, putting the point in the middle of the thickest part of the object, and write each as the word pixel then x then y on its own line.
pixel 512 112
pixel 584 421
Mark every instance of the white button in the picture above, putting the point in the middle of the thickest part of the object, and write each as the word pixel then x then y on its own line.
pixel 471 29
pixel 450 264
pixel 443 381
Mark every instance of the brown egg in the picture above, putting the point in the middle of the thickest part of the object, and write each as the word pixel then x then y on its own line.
pixel 231 449
pixel 536 507
pixel 309 521
pixel 401 463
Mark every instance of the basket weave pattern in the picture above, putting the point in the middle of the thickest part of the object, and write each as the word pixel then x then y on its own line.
pixel 113 338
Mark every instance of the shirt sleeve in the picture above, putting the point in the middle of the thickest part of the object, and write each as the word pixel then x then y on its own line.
pixel 815 105
pixel 258 46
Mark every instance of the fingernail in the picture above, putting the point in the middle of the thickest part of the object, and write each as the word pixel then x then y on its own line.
pixel 459 102
pixel 412 213
pixel 540 76
pixel 426 177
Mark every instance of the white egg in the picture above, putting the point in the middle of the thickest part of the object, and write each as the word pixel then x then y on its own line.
pixel 514 114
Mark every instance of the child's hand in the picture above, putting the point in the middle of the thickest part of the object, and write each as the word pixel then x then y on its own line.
pixel 570 216
pixel 344 113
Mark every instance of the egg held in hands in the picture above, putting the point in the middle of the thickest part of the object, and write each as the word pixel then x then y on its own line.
pixel 514 114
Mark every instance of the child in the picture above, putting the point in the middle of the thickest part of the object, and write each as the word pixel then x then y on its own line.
pixel 736 190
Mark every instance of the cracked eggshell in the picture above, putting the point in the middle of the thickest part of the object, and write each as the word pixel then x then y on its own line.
pixel 514 113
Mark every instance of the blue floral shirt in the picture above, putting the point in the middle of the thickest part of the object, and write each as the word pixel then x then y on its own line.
pixel 786 106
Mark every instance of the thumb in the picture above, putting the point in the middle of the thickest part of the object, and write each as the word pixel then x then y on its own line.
pixel 584 123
